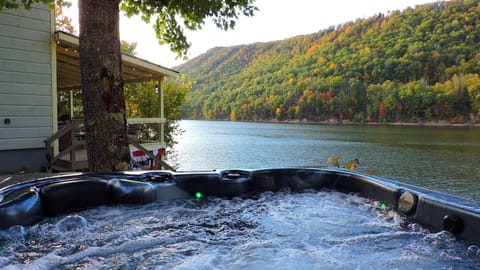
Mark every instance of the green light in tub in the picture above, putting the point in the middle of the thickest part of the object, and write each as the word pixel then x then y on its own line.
pixel 383 206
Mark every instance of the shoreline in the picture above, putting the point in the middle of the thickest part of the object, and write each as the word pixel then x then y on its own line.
pixel 333 122
pixel 407 124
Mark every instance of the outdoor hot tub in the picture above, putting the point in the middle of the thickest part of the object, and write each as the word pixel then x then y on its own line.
pixel 225 205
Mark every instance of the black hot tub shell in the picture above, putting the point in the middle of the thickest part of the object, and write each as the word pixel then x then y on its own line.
pixel 29 202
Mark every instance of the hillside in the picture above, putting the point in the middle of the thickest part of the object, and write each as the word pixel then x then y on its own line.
pixel 415 64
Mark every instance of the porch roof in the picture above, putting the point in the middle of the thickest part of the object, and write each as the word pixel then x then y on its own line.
pixel 134 69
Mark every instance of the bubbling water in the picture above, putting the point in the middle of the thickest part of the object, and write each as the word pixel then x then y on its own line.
pixel 282 230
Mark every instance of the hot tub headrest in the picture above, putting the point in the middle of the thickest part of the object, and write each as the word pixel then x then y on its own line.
pixel 132 192
pixel 73 195
pixel 26 208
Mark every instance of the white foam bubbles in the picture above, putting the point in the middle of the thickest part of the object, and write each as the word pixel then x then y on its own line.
pixel 71 222
pixel 273 230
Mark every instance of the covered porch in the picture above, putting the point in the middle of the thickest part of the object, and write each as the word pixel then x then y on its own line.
pixel 66 150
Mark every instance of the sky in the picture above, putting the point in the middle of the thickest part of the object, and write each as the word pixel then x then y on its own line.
pixel 275 20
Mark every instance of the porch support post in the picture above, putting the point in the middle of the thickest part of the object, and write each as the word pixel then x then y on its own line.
pixel 71 104
pixel 162 110
pixel 53 65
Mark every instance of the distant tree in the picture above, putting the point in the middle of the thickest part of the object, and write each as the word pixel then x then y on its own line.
pixel 63 22
pixel 175 94
pixel 142 101
pixel 473 88
pixel 129 48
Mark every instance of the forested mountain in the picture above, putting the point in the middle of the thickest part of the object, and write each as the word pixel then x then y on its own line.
pixel 410 65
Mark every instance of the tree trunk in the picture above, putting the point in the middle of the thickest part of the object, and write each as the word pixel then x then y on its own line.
pixel 103 98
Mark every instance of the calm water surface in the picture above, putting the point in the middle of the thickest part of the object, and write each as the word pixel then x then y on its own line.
pixel 441 158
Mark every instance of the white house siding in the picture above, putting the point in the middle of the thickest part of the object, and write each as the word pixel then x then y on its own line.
pixel 25 87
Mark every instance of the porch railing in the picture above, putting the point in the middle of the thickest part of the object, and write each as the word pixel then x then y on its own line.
pixel 73 143
pixel 68 146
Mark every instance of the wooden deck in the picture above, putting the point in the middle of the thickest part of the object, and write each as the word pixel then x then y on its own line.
pixel 72 156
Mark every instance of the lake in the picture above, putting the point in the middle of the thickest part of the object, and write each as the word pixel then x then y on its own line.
pixel 440 158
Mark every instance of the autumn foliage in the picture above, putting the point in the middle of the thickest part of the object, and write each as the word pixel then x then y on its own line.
pixel 420 64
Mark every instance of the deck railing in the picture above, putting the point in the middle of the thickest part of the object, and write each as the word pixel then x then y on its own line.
pixel 72 141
